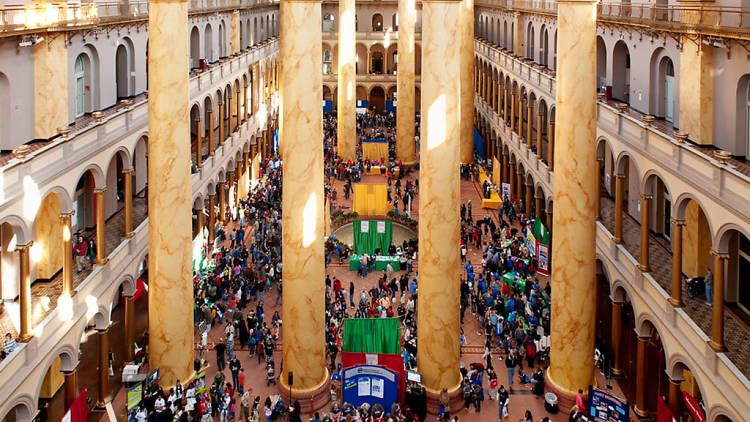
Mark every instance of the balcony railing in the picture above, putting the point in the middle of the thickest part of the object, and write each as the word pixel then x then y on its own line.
pixel 21 18
pixel 708 19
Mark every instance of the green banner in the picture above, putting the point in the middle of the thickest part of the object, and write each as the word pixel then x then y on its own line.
pixel 372 234
pixel 372 335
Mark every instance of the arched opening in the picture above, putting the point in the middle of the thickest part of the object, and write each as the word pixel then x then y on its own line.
pixel 256 31
pixel 621 72
pixel 530 45
pixel 505 34
pixel 208 44
pixel 327 60
pixel 361 59
pixel 124 69
pixel 377 99
pixel 46 252
pixel 743 116
pixel 208 124
pixel 195 46
pixel 83 78
pixel 222 40
pixel 140 168
pixel 19 413
pixel 660 210
pixel 601 64
pixel 361 93
pixel 394 21
pixel 392 59
pixel 328 22
pixel 377 22
pixel 377 59
pixel 418 102
pixel 267 32
pixel 242 34
pixel 544 44
pixel 392 94
pixel 665 89
pixel 417 59
pixel 326 93
pixel 50 390
pixel 195 115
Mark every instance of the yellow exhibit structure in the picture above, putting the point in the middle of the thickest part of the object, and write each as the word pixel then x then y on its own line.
pixel 370 199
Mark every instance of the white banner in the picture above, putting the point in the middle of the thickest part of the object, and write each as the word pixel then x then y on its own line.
pixel 365 226
pixel 381 226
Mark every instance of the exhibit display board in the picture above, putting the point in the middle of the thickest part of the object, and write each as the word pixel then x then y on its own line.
pixel 370 199
pixel 370 235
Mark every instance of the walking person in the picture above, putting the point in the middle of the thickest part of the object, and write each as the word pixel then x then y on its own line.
pixel 503 400
pixel 510 363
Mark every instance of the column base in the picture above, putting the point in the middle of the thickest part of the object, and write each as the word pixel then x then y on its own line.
pixel 718 347
pixel 617 371
pixel 617 240
pixel 644 268
pixel 310 400
pixel 675 302
pixel 641 414
pixel 565 400
pixel 26 338
pixel 102 261
pixel 128 235
pixel 456 400
pixel 100 406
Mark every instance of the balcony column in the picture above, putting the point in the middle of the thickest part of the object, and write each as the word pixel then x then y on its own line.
pixel 520 183
pixel 238 103
pixel 676 298
pixel 24 293
pixel 640 376
pixel 127 175
pixel 347 93
pixel 551 145
pixel 101 229
pixel 245 103
pixel 129 328
pixel 504 171
pixel 70 391
pixel 103 360
pixel 675 396
pixel 170 302
pixel 211 218
pixel 230 185
pixel 597 203
pixel 717 317
pixel 500 90
pixel 301 129
pixel 222 201
pixel 529 120
pixel 438 354
pixel 210 127
pixel 466 63
pixel 506 117
pixel 529 188
pixel 539 133
pixel 574 241
pixel 619 193
pixel 405 116
pixel 513 181
pixel 539 203
pixel 616 337
pixel 513 112
pixel 643 263
pixel 199 137
pixel 521 133
pixel 221 119
pixel 66 221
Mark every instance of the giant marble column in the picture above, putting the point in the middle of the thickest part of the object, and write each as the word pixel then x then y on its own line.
pixel 170 304
pixel 439 262
pixel 301 131
pixel 405 148
pixel 466 64
pixel 346 132
pixel 573 269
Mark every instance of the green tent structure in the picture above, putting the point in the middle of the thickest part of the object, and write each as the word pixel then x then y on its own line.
pixel 540 232
pixel 372 234
pixel 372 335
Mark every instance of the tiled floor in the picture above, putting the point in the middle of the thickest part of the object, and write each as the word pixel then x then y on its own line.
pixel 44 295
pixel 736 332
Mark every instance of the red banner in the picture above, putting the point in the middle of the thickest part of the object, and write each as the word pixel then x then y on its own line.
pixel 78 411
pixel 393 362
pixel 693 407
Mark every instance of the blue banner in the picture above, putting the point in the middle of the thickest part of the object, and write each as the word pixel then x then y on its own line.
pixel 478 144
pixel 390 106
pixel 327 106
pixel 370 384
pixel 276 140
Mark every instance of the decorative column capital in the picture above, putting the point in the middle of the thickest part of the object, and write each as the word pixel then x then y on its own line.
pixel 65 217
pixel 677 222
pixel 25 247
pixel 129 171
pixel 619 176
pixel 100 190
pixel 721 255
pixel 647 196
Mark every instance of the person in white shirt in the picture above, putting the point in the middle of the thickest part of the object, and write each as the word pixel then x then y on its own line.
pixel 159 404
pixel 142 414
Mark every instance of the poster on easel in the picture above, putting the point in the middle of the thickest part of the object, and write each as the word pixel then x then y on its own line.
pixel 506 191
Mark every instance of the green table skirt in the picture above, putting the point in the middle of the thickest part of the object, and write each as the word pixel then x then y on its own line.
pixel 381 263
